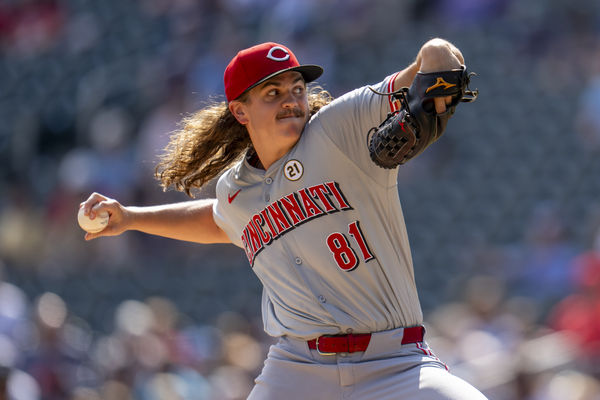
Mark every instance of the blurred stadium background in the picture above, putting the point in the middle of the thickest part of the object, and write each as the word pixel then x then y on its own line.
pixel 503 212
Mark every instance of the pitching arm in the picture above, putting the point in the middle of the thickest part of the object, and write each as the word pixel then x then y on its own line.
pixel 190 221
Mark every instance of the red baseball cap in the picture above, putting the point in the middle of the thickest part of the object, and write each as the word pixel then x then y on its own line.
pixel 254 65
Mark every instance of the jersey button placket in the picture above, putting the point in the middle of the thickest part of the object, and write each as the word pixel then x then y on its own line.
pixel 268 181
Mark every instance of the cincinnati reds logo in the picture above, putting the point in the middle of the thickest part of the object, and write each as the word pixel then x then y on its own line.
pixel 293 170
pixel 275 58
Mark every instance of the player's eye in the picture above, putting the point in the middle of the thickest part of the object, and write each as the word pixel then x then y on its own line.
pixel 272 92
pixel 298 89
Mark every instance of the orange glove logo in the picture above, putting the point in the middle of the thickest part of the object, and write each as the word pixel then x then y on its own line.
pixel 439 83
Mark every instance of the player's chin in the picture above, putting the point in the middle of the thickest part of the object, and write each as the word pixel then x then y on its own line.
pixel 291 135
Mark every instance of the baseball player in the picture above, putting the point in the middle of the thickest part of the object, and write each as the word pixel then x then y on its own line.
pixel 309 192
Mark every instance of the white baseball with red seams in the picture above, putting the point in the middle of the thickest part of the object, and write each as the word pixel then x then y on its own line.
pixel 92 225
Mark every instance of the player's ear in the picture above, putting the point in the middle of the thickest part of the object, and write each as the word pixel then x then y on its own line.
pixel 239 111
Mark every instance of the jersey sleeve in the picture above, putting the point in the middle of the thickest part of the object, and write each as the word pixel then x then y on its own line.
pixel 220 215
pixel 348 119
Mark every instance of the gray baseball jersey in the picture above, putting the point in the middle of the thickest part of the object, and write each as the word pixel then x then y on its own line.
pixel 323 228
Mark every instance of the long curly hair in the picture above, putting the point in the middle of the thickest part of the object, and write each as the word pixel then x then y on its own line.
pixel 211 140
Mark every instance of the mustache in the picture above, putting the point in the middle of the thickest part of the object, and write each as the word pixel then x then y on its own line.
pixel 294 112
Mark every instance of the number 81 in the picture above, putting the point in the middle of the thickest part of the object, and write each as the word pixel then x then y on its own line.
pixel 344 256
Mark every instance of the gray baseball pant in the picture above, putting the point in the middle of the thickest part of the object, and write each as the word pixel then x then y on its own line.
pixel 386 370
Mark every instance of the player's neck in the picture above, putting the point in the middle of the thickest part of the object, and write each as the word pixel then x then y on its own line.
pixel 254 161
pixel 267 154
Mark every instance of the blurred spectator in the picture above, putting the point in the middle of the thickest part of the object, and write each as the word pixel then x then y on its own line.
pixel 30 26
pixel 48 361
pixel 578 313
pixel 540 267
pixel 21 227
pixel 588 115
pixel 4 375
pixel 22 386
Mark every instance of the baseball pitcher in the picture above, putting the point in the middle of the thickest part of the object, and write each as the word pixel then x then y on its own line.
pixel 307 189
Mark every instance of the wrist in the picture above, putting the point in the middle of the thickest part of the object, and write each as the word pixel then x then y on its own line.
pixel 130 217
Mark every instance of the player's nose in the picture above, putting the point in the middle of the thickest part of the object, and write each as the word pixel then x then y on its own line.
pixel 290 100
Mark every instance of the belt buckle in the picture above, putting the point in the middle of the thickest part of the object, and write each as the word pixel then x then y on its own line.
pixel 319 351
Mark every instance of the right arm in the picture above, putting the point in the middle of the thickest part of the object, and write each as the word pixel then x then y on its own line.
pixel 190 221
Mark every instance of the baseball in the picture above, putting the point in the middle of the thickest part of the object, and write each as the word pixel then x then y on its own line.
pixel 92 225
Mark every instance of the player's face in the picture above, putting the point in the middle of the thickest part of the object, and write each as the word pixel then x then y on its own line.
pixel 275 113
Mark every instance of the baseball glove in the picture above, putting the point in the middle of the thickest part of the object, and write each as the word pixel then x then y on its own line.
pixel 407 132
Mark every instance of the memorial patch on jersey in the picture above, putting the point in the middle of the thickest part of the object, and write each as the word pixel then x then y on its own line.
pixel 293 170
pixel 289 211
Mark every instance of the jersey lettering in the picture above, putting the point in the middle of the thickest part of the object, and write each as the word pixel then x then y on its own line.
pixel 263 213
pixel 337 193
pixel 258 221
pixel 247 246
pixel 292 210
pixel 318 192
pixel 279 217
pixel 311 208
pixel 254 238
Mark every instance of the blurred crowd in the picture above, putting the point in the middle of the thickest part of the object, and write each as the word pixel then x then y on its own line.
pixel 503 212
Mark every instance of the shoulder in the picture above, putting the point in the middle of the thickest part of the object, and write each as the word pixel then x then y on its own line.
pixel 227 180
pixel 226 176
pixel 361 98
pixel 238 176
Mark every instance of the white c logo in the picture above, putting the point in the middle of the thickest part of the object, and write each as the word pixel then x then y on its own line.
pixel 272 57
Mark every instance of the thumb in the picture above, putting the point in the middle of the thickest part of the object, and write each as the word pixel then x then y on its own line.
pixel 89 236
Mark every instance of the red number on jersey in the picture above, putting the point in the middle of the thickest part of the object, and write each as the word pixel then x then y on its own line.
pixel 356 233
pixel 343 254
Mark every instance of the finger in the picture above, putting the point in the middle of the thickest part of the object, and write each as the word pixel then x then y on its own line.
pixel 440 104
pixel 93 210
pixel 97 208
pixel 91 236
pixel 90 206
pixel 92 201
pixel 108 231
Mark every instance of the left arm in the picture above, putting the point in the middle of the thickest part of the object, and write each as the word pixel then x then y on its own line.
pixel 350 119
pixel 435 55
pixel 428 92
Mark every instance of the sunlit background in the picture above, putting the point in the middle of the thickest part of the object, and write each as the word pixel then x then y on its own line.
pixel 502 212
